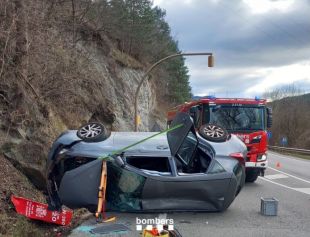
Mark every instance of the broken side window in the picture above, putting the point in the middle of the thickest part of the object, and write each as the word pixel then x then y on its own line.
pixel 124 189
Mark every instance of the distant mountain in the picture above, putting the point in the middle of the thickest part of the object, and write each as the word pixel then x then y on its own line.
pixel 196 97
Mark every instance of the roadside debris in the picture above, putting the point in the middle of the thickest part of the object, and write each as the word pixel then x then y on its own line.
pixel 154 232
pixel 111 228
pixel 269 206
pixel 102 229
pixel 164 233
pixel 39 211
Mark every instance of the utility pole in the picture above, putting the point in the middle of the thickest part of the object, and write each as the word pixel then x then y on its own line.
pixel 146 74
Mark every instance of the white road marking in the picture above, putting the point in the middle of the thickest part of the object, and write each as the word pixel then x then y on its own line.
pixel 270 178
pixel 301 190
pixel 290 175
pixel 276 176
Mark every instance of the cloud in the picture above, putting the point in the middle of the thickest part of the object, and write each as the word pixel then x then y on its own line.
pixel 227 82
pixel 275 77
pixel 263 6
pixel 249 46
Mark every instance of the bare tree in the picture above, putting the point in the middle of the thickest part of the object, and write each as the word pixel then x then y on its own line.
pixel 283 91
pixel 20 58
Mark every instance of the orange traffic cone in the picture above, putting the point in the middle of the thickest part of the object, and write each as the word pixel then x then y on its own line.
pixel 278 165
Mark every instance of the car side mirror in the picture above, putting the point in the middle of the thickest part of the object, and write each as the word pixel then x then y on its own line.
pixel 119 161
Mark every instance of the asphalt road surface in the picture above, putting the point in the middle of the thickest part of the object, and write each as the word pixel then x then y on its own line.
pixel 287 179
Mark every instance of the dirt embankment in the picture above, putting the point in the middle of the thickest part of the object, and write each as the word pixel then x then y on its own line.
pixel 11 224
pixel 50 83
pixel 14 182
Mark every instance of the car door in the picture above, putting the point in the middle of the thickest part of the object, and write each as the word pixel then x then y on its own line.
pixel 208 191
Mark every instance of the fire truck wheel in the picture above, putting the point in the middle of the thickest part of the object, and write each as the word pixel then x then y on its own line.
pixel 251 175
pixel 213 133
pixel 92 132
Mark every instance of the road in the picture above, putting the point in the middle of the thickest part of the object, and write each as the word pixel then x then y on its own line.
pixel 287 179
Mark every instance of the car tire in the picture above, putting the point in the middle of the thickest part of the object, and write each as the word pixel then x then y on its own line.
pixel 213 133
pixel 251 176
pixel 92 132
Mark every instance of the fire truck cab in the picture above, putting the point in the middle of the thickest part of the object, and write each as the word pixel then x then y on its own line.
pixel 246 118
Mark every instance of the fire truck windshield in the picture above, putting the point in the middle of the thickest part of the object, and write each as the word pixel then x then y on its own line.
pixel 236 118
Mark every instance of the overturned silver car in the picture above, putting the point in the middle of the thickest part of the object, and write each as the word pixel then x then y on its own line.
pixel 177 171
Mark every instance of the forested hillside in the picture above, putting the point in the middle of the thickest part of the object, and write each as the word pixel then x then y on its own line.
pixel 291 119
pixel 141 31
pixel 66 62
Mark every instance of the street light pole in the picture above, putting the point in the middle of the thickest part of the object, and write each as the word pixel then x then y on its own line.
pixel 145 76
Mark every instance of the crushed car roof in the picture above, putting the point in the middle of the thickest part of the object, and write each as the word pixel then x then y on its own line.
pixel 158 145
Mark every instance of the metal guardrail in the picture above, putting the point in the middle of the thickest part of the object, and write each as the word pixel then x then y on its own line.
pixel 289 149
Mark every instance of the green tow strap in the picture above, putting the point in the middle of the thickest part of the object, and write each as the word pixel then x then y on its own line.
pixel 138 142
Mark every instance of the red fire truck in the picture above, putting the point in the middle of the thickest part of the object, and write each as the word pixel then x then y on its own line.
pixel 246 118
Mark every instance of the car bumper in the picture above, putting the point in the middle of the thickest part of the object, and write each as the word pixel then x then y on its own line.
pixel 259 165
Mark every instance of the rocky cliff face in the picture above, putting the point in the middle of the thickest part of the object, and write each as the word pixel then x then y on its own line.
pixel 62 64
pixel 88 83
pixel 118 85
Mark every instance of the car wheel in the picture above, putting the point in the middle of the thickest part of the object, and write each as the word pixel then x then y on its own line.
pixel 251 176
pixel 92 132
pixel 213 133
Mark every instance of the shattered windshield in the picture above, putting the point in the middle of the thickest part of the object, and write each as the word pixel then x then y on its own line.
pixel 236 118
pixel 124 189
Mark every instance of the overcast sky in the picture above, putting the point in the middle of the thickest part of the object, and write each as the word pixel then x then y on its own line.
pixel 258 44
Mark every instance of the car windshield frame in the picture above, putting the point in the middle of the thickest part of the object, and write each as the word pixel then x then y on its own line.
pixel 240 117
pixel 183 141
pixel 184 153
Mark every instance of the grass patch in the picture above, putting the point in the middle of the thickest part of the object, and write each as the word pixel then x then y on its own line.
pixel 19 226
pixel 24 228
